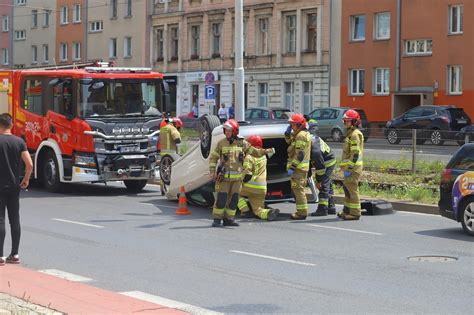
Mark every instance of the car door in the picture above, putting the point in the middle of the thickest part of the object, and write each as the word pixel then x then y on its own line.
pixel 325 125
pixel 409 121
pixel 316 115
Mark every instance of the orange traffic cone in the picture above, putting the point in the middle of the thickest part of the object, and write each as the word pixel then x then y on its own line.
pixel 182 204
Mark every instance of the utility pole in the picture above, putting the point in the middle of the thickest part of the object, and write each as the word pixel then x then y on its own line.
pixel 239 76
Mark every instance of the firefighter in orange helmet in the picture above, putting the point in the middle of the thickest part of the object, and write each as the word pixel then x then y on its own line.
pixel 299 150
pixel 228 175
pixel 351 164
pixel 254 187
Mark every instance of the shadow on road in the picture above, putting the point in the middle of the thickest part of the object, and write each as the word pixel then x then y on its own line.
pixel 451 233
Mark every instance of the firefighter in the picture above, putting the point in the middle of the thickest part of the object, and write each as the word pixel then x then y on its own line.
pixel 170 136
pixel 228 175
pixel 351 164
pixel 299 148
pixel 323 161
pixel 254 187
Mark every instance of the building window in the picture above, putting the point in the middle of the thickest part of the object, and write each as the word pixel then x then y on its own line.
pixel 77 13
pixel 113 48
pixel 34 54
pixel 63 52
pixel 160 45
pixel 263 36
pixel 5 23
pixel 20 35
pixel 96 26
pixel 357 27
pixel 290 33
pixel 45 53
pixel 311 32
pixel 418 47
pixel 127 47
pixel 263 94
pixel 34 18
pixel 46 18
pixel 357 81
pixel 174 43
pixel 216 39
pixel 195 41
pixel 128 8
pixel 77 51
pixel 455 19
pixel 455 80
pixel 289 95
pixel 382 25
pixel 20 2
pixel 307 97
pixel 382 81
pixel 113 9
pixel 64 15
pixel 4 56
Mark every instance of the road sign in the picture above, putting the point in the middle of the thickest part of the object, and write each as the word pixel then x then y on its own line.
pixel 209 78
pixel 210 92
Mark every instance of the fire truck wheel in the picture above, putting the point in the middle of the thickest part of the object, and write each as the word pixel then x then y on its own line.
pixel 135 185
pixel 206 126
pixel 50 172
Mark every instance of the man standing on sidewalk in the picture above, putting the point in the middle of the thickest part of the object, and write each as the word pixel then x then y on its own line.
pixel 12 151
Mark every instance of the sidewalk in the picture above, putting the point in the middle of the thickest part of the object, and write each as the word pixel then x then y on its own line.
pixel 24 291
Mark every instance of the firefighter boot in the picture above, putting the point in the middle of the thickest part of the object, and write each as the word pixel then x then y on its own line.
pixel 295 216
pixel 273 214
pixel 332 206
pixel 320 212
pixel 230 222
pixel 216 223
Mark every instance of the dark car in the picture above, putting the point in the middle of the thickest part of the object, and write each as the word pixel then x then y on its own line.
pixel 267 113
pixel 465 135
pixel 434 122
pixel 457 188
pixel 330 125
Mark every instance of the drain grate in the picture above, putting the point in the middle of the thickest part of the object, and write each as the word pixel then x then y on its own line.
pixel 441 259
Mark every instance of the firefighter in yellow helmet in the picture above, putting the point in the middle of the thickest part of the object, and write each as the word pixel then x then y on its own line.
pixel 228 175
pixel 254 187
pixel 299 149
pixel 170 136
pixel 351 164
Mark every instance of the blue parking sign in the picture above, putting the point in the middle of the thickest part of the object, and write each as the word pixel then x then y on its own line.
pixel 210 92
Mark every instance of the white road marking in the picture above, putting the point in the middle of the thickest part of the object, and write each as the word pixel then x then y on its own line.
pixel 66 275
pixel 418 213
pixel 80 223
pixel 342 229
pixel 274 258
pixel 169 303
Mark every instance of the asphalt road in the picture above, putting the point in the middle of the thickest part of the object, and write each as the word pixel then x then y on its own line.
pixel 321 265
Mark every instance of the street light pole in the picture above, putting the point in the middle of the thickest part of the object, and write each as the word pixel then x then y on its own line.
pixel 239 76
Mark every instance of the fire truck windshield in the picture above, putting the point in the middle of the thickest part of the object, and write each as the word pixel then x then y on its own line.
pixel 120 97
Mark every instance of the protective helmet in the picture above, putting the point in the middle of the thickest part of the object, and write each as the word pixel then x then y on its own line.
pixel 233 125
pixel 255 141
pixel 353 116
pixel 177 122
pixel 298 119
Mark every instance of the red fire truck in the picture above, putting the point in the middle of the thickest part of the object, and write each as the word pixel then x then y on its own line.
pixel 95 124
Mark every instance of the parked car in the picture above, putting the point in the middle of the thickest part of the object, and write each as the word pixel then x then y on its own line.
pixel 465 135
pixel 189 121
pixel 457 188
pixel 330 125
pixel 433 122
pixel 267 113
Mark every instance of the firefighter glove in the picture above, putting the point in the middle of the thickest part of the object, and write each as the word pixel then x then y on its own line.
pixel 288 131
pixel 290 172
pixel 247 178
pixel 270 152
pixel 347 173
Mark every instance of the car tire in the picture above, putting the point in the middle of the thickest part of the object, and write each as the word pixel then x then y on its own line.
pixel 467 215
pixel 135 186
pixel 336 135
pixel 436 137
pixel 206 126
pixel 50 172
pixel 393 136
pixel 165 169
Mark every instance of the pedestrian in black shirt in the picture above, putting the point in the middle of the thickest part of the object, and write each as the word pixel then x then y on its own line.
pixel 12 151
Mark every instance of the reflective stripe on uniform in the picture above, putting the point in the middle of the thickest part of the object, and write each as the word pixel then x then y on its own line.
pixel 256 185
pixel 352 205
pixel 218 211
pixel 302 207
pixel 321 171
pixel 231 149
pixel 323 202
pixel 230 212
pixel 330 163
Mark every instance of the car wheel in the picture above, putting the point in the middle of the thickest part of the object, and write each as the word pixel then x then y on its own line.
pixel 467 216
pixel 393 136
pixel 436 137
pixel 336 135
pixel 135 185
pixel 165 168
pixel 206 126
pixel 50 172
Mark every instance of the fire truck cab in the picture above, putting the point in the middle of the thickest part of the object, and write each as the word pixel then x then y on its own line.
pixel 95 124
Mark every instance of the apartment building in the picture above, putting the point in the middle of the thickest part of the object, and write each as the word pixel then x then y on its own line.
pixel 396 55
pixel 286 51
pixel 70 32
pixel 6 13
pixel 119 31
